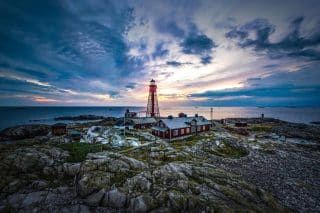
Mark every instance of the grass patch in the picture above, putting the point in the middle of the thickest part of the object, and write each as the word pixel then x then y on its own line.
pixel 78 151
pixel 132 134
pixel 229 151
pixel 189 141
pixel 120 178
pixel 261 128
pixel 139 153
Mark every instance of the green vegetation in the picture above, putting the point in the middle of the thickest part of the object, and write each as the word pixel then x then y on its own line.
pixel 261 128
pixel 133 134
pixel 78 151
pixel 118 179
pixel 268 148
pixel 189 141
pixel 229 150
pixel 141 153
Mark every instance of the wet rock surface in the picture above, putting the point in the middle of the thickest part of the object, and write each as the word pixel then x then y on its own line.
pixel 218 171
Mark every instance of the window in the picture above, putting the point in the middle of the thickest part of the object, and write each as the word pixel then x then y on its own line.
pixel 203 127
pixel 175 132
pixel 187 130
pixel 199 128
pixel 182 132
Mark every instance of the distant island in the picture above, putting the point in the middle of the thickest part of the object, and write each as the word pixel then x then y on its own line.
pixel 79 118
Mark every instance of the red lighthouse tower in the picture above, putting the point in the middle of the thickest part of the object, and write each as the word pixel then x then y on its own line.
pixel 153 108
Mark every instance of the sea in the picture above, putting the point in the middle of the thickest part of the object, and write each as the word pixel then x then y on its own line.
pixel 11 116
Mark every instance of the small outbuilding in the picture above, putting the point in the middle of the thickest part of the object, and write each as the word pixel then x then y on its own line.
pixel 143 123
pixel 59 129
pixel 240 124
pixel 129 114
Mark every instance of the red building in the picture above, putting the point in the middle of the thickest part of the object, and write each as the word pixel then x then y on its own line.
pixel 59 129
pixel 173 127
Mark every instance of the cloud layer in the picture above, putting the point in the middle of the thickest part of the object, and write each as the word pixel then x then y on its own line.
pixel 200 52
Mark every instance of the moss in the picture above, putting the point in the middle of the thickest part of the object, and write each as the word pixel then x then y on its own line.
pixel 268 148
pixel 133 134
pixel 261 128
pixel 190 141
pixel 78 151
pixel 139 153
pixel 120 178
pixel 228 150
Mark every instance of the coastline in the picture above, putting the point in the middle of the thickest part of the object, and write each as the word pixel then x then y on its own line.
pixel 46 115
pixel 96 167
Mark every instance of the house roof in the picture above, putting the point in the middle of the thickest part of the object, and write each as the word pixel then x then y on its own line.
pixel 144 120
pixel 183 122
pixel 162 129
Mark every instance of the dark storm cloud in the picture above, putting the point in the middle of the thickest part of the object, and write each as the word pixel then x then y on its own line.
pixel 292 45
pixel 113 94
pixel 206 60
pixel 254 79
pixel 284 91
pixel 131 85
pixel 174 63
pixel 199 44
pixel 24 87
pixel 301 85
pixel 160 51
pixel 191 40
pixel 59 42
pixel 177 63
pixel 169 27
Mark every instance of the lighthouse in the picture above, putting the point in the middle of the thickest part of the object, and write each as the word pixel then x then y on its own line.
pixel 152 107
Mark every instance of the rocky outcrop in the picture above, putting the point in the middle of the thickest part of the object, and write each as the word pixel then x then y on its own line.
pixel 116 181
pixel 32 159
pixel 24 131
pixel 107 135
pixel 105 169
pixel 303 131
pixel 218 171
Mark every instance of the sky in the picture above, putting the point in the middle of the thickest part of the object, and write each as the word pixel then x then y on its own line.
pixel 201 53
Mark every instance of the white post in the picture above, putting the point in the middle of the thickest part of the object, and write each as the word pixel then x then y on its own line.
pixel 124 130
pixel 211 115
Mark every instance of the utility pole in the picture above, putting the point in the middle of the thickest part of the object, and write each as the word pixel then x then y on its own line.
pixel 124 130
pixel 211 115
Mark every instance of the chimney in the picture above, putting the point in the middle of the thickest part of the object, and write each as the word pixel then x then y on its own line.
pixel 182 115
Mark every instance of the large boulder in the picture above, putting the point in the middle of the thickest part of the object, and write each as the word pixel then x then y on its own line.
pixel 194 187
pixel 115 199
pixel 95 198
pixel 32 159
pixel 104 169
pixel 24 131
